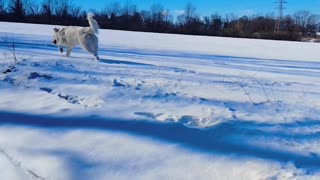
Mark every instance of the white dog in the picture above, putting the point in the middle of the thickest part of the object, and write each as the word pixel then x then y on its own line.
pixel 71 36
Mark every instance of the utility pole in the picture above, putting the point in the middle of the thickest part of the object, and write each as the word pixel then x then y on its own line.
pixel 280 7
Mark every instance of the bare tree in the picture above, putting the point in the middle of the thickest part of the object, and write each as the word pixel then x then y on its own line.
pixel 61 7
pixel 313 24
pixel 301 18
pixel 2 7
pixel 156 17
pixel 307 22
pixel 157 13
pixel 75 11
pixel 190 11
pixel 48 7
pixel 33 8
pixel 188 15
pixel 17 8
pixel 167 16
pixel 216 24
pixel 128 8
pixel 230 18
pixel 114 8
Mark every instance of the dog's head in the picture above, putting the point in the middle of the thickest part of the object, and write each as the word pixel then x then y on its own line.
pixel 56 36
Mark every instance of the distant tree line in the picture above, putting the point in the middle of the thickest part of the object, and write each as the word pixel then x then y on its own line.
pixel 299 25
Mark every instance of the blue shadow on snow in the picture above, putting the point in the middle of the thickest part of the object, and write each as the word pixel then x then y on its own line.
pixel 219 139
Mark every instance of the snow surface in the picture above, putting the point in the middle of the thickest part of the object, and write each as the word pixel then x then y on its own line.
pixel 158 106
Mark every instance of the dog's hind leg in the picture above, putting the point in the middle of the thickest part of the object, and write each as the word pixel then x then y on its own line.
pixel 93 49
pixel 94 46
pixel 95 52
pixel 68 52
pixel 90 43
pixel 97 57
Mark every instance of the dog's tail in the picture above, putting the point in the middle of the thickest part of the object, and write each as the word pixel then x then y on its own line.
pixel 94 26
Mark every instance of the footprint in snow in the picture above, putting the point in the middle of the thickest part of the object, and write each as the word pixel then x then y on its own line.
pixel 116 83
pixel 148 114
pixel 9 70
pixel 71 99
pixel 48 90
pixel 35 75
pixel 232 110
pixel 189 120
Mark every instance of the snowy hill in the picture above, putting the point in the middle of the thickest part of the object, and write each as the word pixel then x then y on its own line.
pixel 158 106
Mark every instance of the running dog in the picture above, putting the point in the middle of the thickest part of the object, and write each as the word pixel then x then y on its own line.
pixel 71 36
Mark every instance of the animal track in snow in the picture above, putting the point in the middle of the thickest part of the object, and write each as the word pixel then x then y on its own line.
pixel 86 102
pixel 20 166
pixel 9 70
pixel 35 75
pixel 148 114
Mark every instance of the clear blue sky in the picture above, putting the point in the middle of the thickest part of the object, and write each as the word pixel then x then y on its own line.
pixel 207 7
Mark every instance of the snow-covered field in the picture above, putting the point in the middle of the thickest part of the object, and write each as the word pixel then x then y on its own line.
pixel 158 106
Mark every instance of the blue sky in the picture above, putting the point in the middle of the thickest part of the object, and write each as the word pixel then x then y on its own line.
pixel 207 7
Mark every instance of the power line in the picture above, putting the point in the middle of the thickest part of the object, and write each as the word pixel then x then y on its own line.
pixel 280 7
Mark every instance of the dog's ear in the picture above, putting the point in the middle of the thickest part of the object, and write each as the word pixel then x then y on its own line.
pixel 56 29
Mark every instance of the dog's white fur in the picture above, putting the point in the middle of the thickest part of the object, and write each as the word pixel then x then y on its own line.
pixel 71 36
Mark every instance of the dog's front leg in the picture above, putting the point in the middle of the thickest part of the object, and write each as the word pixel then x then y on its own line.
pixel 60 49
